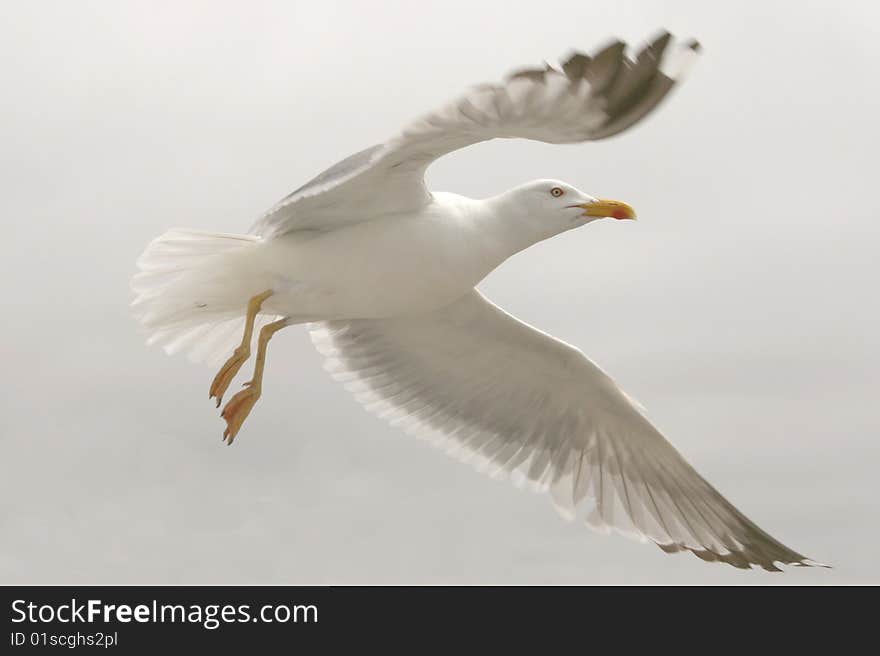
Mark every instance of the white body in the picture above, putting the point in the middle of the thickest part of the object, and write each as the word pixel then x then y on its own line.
pixel 386 272
pixel 354 272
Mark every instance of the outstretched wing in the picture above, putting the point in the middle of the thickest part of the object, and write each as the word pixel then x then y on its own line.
pixel 515 401
pixel 587 98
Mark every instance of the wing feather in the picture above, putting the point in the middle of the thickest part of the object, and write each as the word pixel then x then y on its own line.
pixel 587 98
pixel 516 402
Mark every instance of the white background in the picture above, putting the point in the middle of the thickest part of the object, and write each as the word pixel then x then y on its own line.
pixel 741 309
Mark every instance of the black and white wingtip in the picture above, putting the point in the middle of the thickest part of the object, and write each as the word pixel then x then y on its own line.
pixel 627 88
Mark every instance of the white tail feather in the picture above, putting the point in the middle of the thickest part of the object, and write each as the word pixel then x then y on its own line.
pixel 188 297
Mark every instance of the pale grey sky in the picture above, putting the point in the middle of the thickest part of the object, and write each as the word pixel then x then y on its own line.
pixel 741 309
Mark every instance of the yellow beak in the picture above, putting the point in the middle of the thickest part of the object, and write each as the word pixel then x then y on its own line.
pixel 614 209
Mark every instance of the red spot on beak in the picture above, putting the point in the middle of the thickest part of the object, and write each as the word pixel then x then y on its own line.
pixel 608 208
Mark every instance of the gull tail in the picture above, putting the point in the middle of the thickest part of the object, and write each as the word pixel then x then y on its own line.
pixel 191 292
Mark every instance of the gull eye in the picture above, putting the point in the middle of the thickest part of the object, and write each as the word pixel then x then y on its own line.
pixel 556 192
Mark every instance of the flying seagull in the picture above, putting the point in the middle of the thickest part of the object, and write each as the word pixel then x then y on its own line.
pixel 384 271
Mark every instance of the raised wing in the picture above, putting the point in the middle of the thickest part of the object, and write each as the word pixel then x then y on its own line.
pixel 587 98
pixel 514 401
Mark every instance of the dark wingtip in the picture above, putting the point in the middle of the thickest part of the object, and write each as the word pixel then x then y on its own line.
pixel 662 33
pixel 636 88
pixel 604 66
pixel 658 44
pixel 574 64
pixel 534 74
pixel 741 560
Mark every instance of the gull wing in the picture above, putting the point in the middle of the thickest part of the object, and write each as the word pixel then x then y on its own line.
pixel 516 402
pixel 586 98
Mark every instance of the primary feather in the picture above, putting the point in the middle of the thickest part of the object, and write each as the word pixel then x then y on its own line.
pixel 515 401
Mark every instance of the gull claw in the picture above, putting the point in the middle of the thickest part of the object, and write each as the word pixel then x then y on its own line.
pixel 237 410
pixel 227 372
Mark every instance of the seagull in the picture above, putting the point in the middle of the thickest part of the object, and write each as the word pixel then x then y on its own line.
pixel 384 273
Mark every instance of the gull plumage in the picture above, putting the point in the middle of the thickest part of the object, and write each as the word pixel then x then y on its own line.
pixel 384 272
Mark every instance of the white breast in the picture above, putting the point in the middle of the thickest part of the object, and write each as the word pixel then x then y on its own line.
pixel 401 264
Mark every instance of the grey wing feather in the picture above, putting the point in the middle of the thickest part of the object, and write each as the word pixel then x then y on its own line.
pixel 325 181
pixel 339 172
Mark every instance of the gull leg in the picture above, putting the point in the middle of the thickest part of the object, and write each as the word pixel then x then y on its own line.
pixel 242 352
pixel 240 405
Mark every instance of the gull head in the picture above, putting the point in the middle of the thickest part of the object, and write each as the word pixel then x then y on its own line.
pixel 560 203
pixel 543 208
